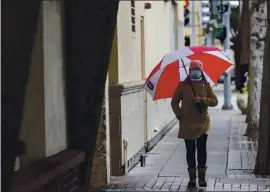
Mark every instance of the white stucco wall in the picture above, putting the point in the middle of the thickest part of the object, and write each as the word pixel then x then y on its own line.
pixel 158 42
pixel 129 43
pixel 158 35
pixel 132 122
pixel 43 127
pixel 54 84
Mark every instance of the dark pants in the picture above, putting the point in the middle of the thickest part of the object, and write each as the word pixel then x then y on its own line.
pixel 200 144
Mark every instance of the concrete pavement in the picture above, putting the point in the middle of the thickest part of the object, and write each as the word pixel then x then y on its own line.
pixel 231 158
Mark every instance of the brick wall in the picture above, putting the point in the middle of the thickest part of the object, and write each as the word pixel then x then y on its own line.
pixel 57 173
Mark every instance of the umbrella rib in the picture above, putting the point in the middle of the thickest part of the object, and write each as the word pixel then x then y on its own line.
pixel 222 52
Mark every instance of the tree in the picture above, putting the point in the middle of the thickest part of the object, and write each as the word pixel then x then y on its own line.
pixel 245 40
pixel 245 46
pixel 263 154
pixel 240 39
pixel 90 29
pixel 99 169
pixel 257 38
pixel 19 24
pixel 236 47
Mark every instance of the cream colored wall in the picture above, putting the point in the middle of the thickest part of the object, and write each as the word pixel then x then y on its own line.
pixel 132 123
pixel 129 60
pixel 54 79
pixel 157 37
pixel 43 127
pixel 157 33
pixel 158 42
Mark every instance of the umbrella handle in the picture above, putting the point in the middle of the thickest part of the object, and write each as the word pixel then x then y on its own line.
pixel 189 79
pixel 199 105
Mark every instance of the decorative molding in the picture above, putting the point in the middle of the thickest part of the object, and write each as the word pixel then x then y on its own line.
pixel 133 87
pixel 117 90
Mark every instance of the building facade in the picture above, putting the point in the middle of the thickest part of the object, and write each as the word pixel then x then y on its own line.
pixel 145 33
pixel 44 121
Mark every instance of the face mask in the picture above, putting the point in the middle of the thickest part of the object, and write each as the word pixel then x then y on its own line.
pixel 196 74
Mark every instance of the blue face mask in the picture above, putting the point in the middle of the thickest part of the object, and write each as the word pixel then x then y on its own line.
pixel 196 74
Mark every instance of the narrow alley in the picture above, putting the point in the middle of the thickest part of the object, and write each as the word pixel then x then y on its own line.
pixel 231 159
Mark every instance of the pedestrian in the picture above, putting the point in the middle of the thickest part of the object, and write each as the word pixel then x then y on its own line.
pixel 194 123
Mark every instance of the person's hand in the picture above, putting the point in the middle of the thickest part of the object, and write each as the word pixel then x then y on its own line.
pixel 197 99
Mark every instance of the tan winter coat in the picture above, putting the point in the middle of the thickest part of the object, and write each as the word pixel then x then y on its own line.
pixel 193 123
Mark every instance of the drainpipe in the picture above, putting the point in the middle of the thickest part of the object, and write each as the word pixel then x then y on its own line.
pixel 227 76
pixel 125 145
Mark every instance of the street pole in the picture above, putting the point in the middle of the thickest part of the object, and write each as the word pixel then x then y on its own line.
pixel 227 76
pixel 209 39
pixel 193 23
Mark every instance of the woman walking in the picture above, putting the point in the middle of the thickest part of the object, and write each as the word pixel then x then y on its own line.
pixel 194 119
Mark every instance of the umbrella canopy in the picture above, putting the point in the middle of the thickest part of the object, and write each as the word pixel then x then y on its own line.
pixel 164 78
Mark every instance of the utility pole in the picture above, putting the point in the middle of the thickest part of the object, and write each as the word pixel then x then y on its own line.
pixel 227 76
pixel 209 39
pixel 193 23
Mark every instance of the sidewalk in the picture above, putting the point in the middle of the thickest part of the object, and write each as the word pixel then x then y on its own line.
pixel 219 88
pixel 231 159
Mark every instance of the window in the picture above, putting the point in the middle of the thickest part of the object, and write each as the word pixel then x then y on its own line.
pixel 133 28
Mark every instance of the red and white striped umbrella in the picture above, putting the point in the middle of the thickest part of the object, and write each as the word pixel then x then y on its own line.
pixel 164 78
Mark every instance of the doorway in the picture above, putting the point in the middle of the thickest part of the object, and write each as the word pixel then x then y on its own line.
pixel 143 77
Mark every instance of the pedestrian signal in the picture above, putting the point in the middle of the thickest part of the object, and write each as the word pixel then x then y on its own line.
pixel 187 41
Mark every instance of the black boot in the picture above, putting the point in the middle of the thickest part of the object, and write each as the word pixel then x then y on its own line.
pixel 192 178
pixel 201 173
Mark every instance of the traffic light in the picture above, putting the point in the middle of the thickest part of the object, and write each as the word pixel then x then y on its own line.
pixel 186 12
pixel 187 41
pixel 220 33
